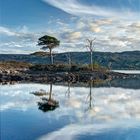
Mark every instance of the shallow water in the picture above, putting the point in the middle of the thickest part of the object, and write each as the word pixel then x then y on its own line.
pixel 128 71
pixel 103 113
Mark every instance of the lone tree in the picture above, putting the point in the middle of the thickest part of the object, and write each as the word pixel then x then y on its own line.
pixel 48 42
pixel 90 46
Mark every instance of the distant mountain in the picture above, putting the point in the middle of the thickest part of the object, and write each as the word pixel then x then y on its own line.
pixel 123 60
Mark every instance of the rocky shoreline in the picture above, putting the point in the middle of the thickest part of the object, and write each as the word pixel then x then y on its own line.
pixel 45 77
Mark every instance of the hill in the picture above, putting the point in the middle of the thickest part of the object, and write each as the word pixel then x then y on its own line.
pixel 124 60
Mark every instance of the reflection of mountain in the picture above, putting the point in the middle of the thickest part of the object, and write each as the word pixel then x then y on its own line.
pixel 124 83
pixel 131 83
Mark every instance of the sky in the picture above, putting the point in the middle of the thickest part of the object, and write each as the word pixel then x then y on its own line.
pixel 114 23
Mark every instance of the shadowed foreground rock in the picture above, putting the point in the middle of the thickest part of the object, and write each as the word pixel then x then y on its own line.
pixel 24 72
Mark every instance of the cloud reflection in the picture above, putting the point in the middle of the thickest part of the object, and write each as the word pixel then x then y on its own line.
pixel 110 107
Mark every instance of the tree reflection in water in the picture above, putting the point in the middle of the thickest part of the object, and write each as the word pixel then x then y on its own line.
pixel 89 99
pixel 68 90
pixel 48 104
pixel 41 92
pixel 89 105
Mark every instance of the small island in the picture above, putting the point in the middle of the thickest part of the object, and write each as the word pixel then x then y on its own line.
pixel 55 71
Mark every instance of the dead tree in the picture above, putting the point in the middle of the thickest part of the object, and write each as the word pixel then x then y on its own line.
pixel 90 46
pixel 69 59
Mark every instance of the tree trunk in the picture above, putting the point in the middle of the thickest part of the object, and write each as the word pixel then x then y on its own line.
pixel 50 92
pixel 90 97
pixel 51 57
pixel 69 57
pixel 91 61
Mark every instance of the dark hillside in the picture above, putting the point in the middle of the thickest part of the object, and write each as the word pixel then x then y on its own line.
pixel 123 60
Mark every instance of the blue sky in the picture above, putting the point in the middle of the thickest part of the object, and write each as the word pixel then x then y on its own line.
pixel 114 23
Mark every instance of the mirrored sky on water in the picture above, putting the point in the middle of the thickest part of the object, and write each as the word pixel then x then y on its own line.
pixel 79 113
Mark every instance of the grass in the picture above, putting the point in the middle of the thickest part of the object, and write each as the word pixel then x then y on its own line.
pixel 14 64
pixel 51 68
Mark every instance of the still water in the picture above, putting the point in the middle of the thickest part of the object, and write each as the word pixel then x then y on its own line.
pixel 83 113
pixel 128 71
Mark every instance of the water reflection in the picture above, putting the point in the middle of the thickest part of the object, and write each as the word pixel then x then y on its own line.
pixel 89 97
pixel 129 83
pixel 48 104
pixel 83 111
pixel 68 90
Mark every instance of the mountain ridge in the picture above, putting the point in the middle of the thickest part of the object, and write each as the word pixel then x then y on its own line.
pixel 128 60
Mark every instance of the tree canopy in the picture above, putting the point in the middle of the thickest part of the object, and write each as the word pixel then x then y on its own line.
pixel 48 42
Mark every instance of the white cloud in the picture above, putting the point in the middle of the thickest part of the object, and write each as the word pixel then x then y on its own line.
pixel 81 25
pixel 75 35
pixel 74 103
pixel 24 29
pixel 71 36
pixel 71 131
pixel 19 40
pixel 8 32
pixel 113 108
pixel 7 106
pixel 111 35
pixel 95 28
pixel 74 7
pixel 107 21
